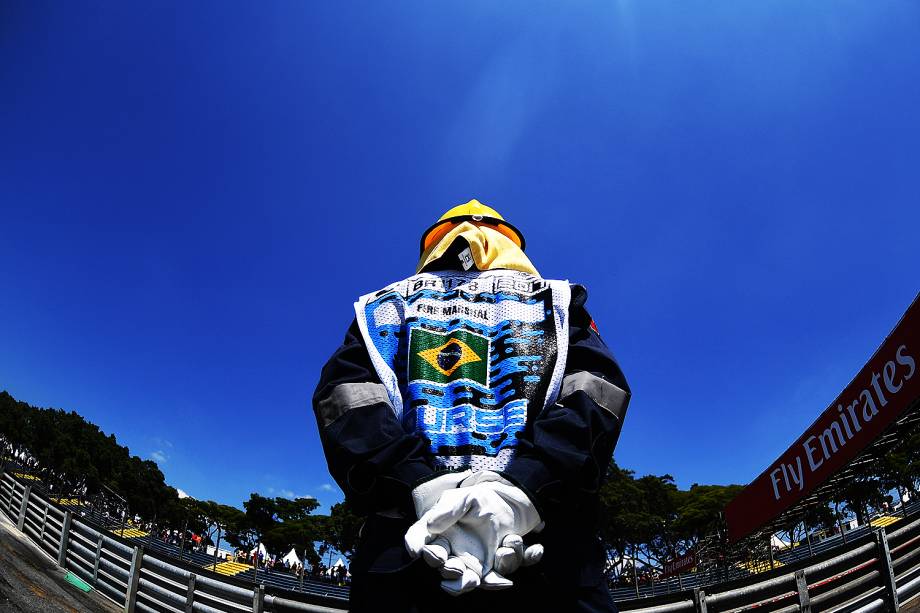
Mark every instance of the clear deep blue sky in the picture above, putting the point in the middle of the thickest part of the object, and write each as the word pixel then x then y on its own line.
pixel 193 194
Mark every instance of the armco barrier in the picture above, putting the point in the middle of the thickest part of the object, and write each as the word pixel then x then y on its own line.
pixel 877 572
pixel 133 578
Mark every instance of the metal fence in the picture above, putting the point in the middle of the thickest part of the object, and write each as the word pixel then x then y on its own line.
pixel 137 579
pixel 877 572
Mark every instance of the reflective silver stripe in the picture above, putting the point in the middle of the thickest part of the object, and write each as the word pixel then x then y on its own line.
pixel 601 391
pixel 348 396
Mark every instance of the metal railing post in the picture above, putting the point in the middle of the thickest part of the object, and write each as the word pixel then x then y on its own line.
pixel 886 569
pixel 699 600
pixel 190 594
pixel 10 500
pixel 801 586
pixel 635 572
pixel 41 539
pixel 65 538
pixel 258 598
pixel 133 578
pixel 96 562
pixel 24 507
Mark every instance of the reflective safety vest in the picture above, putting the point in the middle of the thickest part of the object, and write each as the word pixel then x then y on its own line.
pixel 468 359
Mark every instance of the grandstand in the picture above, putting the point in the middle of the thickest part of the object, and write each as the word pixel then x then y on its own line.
pixel 279 578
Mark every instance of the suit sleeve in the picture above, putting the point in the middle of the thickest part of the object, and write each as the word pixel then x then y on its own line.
pixel 372 458
pixel 562 458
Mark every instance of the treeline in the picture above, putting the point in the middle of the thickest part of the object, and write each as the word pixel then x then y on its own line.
pixel 647 517
pixel 74 458
pixel 651 521
pixel 281 524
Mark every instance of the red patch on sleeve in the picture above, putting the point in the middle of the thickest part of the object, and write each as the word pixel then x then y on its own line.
pixel 594 327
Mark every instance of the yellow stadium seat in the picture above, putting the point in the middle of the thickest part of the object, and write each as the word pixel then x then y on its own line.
pixel 229 568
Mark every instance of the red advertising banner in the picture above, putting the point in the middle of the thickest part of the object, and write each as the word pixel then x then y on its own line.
pixel 679 565
pixel 885 387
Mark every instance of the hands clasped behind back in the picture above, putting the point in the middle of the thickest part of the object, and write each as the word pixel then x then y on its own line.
pixel 471 527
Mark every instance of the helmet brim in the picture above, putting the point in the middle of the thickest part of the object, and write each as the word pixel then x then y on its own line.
pixel 500 224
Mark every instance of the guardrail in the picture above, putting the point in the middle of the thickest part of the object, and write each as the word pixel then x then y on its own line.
pixel 137 579
pixel 879 571
pixel 785 557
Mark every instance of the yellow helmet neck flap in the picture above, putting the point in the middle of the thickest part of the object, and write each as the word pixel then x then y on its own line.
pixel 469 244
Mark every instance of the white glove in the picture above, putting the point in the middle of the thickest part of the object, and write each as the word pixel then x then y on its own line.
pixel 481 523
pixel 424 497
pixel 511 553
pixel 453 552
pixel 427 494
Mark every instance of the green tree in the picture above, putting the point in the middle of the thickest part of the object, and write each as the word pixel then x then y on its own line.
pixel 218 519
pixel 340 531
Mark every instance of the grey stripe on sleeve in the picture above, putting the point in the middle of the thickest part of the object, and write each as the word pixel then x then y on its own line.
pixel 601 391
pixel 348 396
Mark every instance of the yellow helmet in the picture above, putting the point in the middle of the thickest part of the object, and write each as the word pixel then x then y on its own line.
pixel 473 211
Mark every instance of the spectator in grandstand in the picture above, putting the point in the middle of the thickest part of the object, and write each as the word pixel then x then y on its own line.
pixel 471 405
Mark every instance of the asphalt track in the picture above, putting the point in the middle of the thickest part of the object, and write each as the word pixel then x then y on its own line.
pixel 31 581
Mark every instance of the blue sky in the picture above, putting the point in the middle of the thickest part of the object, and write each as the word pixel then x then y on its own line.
pixel 192 196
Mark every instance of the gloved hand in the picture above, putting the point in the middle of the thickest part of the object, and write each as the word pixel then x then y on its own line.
pixel 481 522
pixel 458 554
pixel 511 553
pixel 424 496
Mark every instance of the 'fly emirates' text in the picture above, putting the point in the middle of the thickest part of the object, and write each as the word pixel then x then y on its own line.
pixel 850 420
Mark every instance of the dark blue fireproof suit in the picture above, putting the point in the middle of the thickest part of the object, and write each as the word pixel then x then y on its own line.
pixel 561 452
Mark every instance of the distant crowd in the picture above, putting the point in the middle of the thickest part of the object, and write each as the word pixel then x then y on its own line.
pixel 270 563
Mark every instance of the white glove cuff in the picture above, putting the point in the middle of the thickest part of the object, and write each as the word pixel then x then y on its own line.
pixel 427 494
pixel 484 476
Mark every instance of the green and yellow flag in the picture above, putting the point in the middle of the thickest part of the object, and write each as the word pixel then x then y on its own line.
pixel 442 358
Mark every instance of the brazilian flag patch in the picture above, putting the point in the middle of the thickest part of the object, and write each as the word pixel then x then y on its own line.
pixel 442 358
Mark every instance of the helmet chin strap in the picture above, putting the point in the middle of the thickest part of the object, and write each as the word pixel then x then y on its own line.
pixel 469 246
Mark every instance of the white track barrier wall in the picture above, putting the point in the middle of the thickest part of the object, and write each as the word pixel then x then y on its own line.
pixel 877 572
